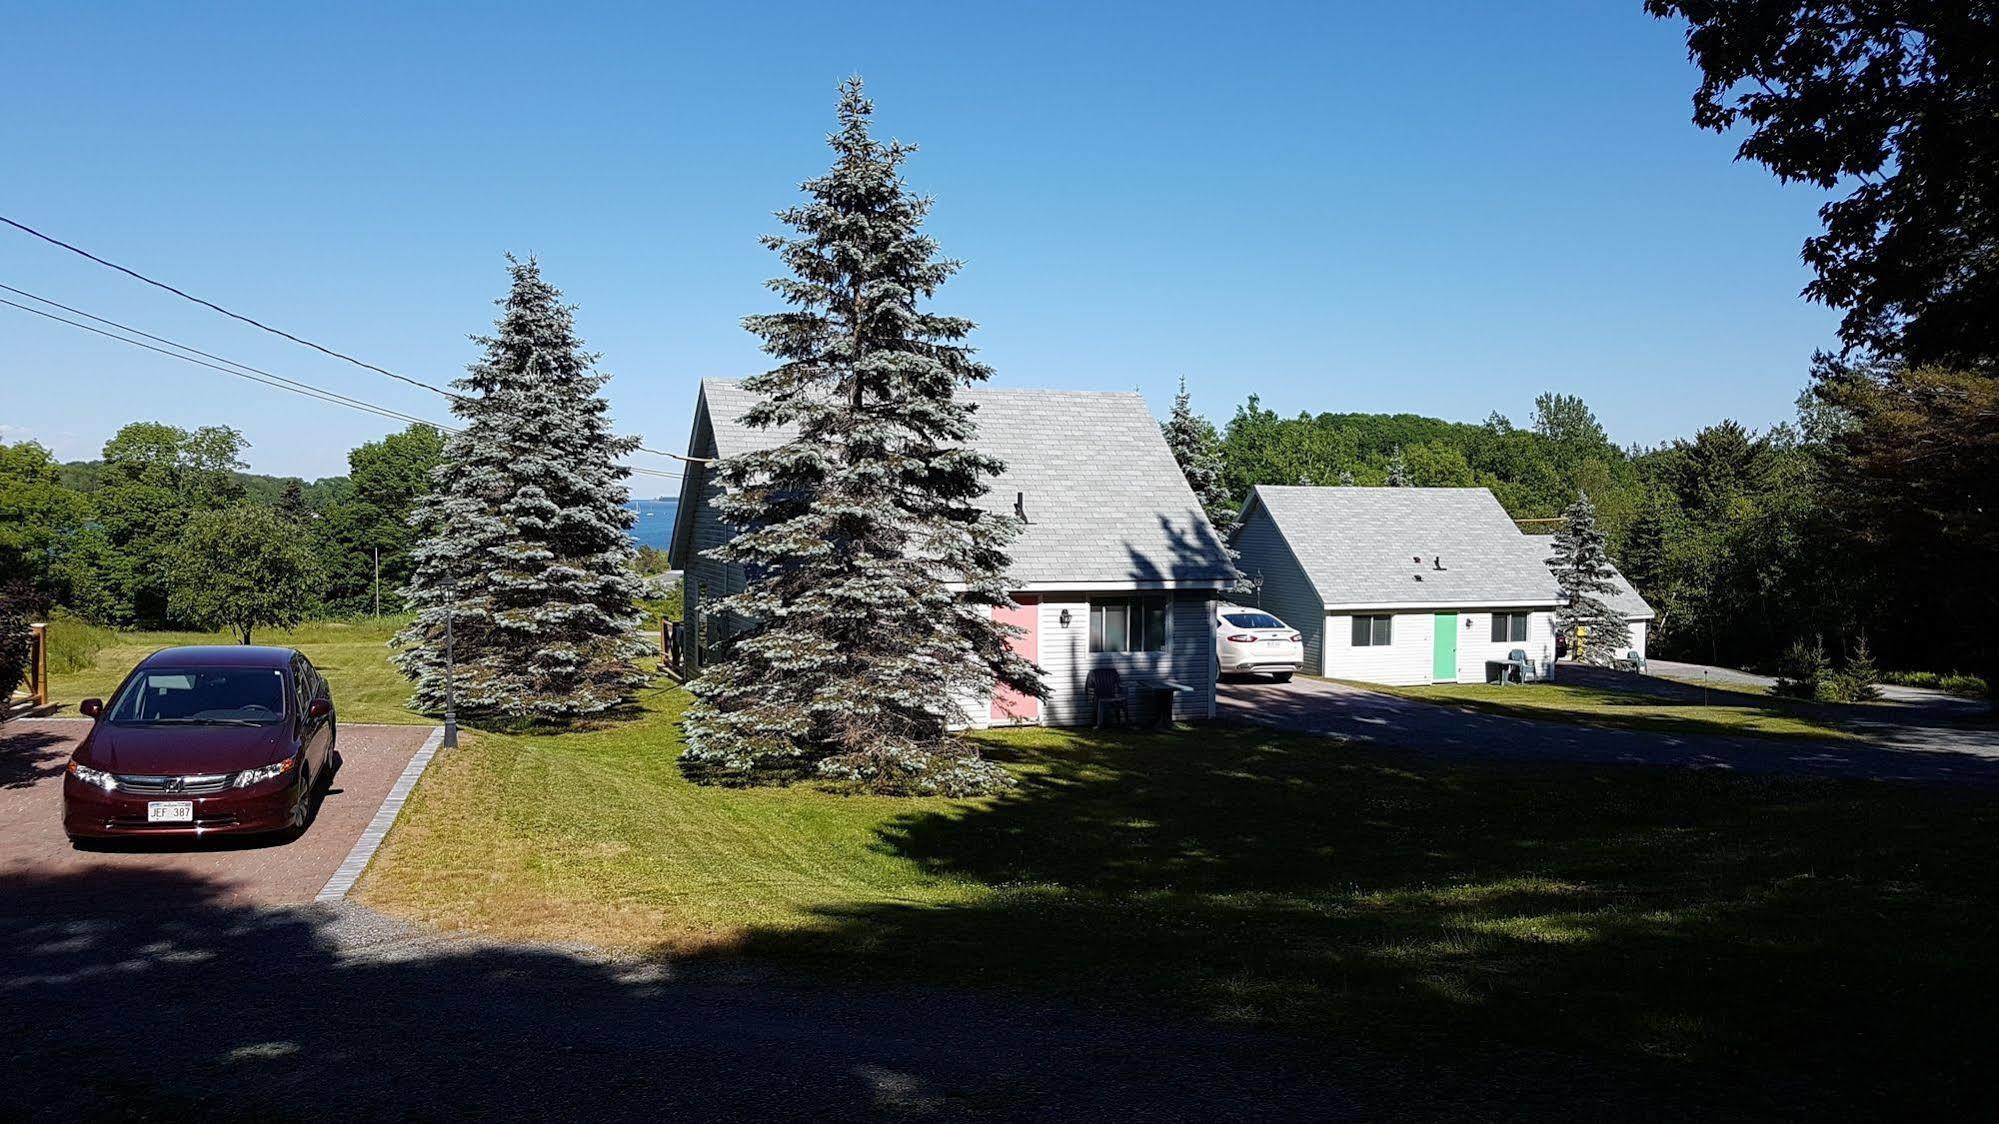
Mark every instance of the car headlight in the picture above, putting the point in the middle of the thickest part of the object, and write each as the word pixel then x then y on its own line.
pixel 248 777
pixel 88 775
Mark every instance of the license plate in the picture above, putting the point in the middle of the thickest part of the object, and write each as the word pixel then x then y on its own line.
pixel 170 811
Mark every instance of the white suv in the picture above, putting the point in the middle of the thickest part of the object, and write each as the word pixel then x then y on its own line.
pixel 1251 640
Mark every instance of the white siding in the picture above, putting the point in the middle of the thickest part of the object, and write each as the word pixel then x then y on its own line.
pixel 1066 659
pixel 1476 645
pixel 1406 659
pixel 1638 636
pixel 1286 592
pixel 1410 657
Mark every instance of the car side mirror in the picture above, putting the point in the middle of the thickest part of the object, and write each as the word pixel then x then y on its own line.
pixel 91 708
pixel 320 708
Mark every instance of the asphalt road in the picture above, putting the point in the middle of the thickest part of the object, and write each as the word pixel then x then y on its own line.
pixel 1893 748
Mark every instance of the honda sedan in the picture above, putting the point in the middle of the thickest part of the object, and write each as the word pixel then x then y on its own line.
pixel 204 740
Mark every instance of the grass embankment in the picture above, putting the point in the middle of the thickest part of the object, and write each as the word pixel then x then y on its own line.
pixel 1753 936
pixel 352 655
pixel 1733 712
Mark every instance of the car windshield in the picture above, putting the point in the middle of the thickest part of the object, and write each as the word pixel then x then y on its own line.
pixel 1252 620
pixel 221 696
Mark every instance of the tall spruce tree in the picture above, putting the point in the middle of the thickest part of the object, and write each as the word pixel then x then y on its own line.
pixel 1198 449
pixel 1398 469
pixel 529 546
pixel 1581 563
pixel 873 571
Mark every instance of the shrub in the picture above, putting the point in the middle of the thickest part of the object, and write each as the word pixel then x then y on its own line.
pixel 13 650
pixel 1855 682
pixel 74 642
pixel 1970 686
pixel 1912 678
pixel 1803 670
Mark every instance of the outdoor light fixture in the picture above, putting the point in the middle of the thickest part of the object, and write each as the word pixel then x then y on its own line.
pixel 1065 618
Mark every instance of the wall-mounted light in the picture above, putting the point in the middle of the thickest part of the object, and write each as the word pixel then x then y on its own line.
pixel 1467 622
pixel 1065 618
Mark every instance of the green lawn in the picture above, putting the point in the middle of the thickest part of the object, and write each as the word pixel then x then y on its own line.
pixel 1631 710
pixel 1793 944
pixel 352 655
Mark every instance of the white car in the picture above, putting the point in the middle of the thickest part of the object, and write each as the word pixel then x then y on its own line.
pixel 1251 640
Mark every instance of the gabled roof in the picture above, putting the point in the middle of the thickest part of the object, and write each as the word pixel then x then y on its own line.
pixel 1624 599
pixel 1106 503
pixel 1381 547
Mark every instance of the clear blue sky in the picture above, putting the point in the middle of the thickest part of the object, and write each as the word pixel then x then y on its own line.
pixel 1441 209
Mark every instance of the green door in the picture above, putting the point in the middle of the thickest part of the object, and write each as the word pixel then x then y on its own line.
pixel 1445 668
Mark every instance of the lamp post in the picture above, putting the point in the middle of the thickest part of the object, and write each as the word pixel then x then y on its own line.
pixel 450 676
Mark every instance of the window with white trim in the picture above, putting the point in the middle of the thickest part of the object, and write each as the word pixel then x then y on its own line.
pixel 1128 624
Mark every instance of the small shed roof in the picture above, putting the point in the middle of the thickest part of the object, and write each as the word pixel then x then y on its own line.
pixel 1106 503
pixel 1389 547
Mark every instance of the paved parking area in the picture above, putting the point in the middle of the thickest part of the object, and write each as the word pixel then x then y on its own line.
pixel 1891 751
pixel 245 872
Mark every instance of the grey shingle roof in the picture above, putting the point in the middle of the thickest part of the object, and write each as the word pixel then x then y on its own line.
pixel 1624 599
pixel 1359 546
pixel 1105 500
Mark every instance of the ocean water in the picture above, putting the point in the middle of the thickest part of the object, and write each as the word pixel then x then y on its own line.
pixel 655 525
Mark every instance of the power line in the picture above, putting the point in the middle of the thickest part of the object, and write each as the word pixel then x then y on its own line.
pixel 242 370
pixel 342 356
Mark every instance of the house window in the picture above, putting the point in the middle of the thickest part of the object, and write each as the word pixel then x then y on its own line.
pixel 1508 627
pixel 1133 624
pixel 1372 632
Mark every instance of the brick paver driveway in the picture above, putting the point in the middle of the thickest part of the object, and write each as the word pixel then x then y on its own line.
pixel 1891 752
pixel 34 851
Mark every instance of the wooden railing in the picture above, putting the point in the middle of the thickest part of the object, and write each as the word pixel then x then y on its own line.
pixel 34 691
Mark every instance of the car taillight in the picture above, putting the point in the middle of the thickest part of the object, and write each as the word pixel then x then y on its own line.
pixel 1242 638
pixel 1297 637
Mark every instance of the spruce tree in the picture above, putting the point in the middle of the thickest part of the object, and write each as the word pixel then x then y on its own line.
pixel 1398 470
pixel 1596 633
pixel 873 572
pixel 1198 449
pixel 528 544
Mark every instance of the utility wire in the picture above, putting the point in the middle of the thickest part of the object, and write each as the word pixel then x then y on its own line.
pixel 241 370
pixel 344 357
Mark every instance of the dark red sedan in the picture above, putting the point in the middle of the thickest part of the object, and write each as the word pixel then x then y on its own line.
pixel 201 741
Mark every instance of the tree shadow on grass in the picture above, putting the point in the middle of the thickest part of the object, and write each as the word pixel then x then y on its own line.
pixel 207 1008
pixel 1747 943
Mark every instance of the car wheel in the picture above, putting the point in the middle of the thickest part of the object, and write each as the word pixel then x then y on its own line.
pixel 1280 677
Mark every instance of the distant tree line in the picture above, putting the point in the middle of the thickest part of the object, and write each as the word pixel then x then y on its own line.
pixel 166 530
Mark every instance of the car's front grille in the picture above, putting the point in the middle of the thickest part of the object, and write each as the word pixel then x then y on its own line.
pixel 197 784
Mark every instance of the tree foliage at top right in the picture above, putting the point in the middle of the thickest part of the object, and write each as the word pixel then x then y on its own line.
pixel 1897 101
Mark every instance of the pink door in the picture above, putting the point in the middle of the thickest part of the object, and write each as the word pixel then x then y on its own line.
pixel 1010 705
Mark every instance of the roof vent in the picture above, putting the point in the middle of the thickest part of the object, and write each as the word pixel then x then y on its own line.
pixel 1437 562
pixel 1020 506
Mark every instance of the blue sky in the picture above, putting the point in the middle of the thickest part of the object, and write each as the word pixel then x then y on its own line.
pixel 1440 208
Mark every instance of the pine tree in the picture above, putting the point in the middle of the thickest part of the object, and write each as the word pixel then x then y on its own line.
pixel 1398 470
pixel 292 505
pixel 529 543
pixel 1581 564
pixel 1198 449
pixel 873 571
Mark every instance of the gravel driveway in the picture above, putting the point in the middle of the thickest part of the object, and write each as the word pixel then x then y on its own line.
pixel 1891 751
pixel 33 849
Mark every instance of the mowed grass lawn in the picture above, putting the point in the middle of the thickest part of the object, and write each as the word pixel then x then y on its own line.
pixel 1733 712
pixel 352 655
pixel 1790 944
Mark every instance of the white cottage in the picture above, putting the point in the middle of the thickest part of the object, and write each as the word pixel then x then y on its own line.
pixel 1399 585
pixel 1115 564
